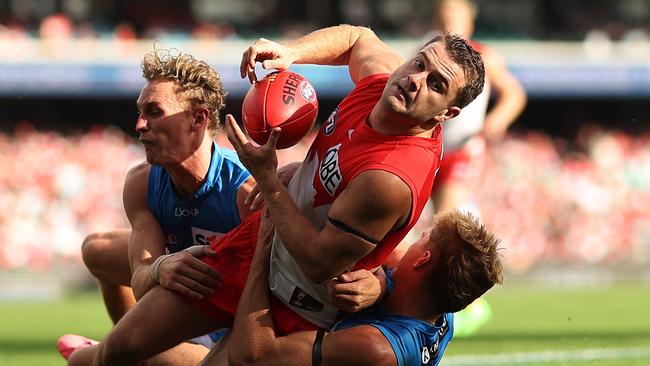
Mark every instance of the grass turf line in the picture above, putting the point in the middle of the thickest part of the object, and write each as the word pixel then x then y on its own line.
pixel 528 319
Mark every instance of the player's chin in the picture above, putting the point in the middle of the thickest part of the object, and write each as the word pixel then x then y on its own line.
pixel 397 105
pixel 151 157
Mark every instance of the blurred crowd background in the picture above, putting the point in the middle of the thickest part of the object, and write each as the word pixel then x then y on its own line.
pixel 198 19
pixel 568 189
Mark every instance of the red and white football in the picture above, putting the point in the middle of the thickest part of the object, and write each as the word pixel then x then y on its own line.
pixel 282 99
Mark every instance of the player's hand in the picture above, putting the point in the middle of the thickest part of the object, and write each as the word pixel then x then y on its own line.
pixel 184 272
pixel 353 291
pixel 271 54
pixel 255 200
pixel 261 161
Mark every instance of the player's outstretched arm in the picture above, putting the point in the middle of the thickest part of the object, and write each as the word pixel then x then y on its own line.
pixel 181 272
pixel 357 47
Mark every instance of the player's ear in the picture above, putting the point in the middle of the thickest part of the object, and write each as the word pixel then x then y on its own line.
pixel 200 118
pixel 423 259
pixel 447 114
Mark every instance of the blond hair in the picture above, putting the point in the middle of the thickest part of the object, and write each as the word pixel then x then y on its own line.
pixel 469 263
pixel 197 81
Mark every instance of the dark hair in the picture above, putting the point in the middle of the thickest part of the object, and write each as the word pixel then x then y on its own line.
pixel 468 263
pixel 469 59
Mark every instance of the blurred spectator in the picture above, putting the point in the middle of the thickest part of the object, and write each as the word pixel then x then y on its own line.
pixel 585 208
pixel 13 30
pixel 56 188
pixel 213 31
pixel 550 205
pixel 465 136
pixel 56 27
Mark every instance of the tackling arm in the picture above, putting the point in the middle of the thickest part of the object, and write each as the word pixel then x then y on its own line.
pixel 182 272
pixel 254 342
pixel 147 241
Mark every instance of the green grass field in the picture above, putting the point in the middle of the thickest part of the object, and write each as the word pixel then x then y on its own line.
pixel 532 325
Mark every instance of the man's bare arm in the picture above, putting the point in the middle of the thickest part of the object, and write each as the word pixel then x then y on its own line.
pixel 357 47
pixel 510 96
pixel 147 241
pixel 254 342
pixel 181 272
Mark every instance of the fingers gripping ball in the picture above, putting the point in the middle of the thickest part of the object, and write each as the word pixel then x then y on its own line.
pixel 282 99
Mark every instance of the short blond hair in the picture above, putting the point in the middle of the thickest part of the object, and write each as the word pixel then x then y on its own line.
pixel 197 81
pixel 469 263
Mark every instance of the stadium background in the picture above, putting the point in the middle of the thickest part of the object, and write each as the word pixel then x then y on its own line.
pixel 568 189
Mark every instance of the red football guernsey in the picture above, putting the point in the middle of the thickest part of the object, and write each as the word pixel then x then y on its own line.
pixel 345 147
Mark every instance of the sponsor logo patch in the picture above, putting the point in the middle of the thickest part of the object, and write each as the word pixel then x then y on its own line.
pixel 330 125
pixel 204 237
pixel 425 355
pixel 303 300
pixel 185 212
pixel 330 174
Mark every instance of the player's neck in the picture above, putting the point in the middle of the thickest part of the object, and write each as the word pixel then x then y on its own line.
pixel 407 298
pixel 190 174
pixel 384 122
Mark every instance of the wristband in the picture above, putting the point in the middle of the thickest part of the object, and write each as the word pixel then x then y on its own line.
pixel 156 265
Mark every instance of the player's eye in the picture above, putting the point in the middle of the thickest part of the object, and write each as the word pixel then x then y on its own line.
pixel 419 64
pixel 153 112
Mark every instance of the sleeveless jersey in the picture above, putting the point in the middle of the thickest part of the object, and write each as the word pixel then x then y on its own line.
pixel 345 147
pixel 415 342
pixel 209 213
pixel 471 119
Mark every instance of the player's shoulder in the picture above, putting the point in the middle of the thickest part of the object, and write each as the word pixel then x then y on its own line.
pixel 137 179
pixel 359 345
pixel 138 172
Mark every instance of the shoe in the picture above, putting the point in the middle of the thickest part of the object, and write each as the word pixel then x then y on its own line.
pixel 72 342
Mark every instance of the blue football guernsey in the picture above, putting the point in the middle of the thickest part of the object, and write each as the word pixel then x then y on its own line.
pixel 414 341
pixel 209 213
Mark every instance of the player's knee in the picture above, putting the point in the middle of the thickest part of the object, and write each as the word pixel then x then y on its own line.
pixel 92 249
pixel 122 348
pixel 81 357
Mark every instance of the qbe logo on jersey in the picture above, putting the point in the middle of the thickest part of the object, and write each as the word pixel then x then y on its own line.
pixel 330 174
